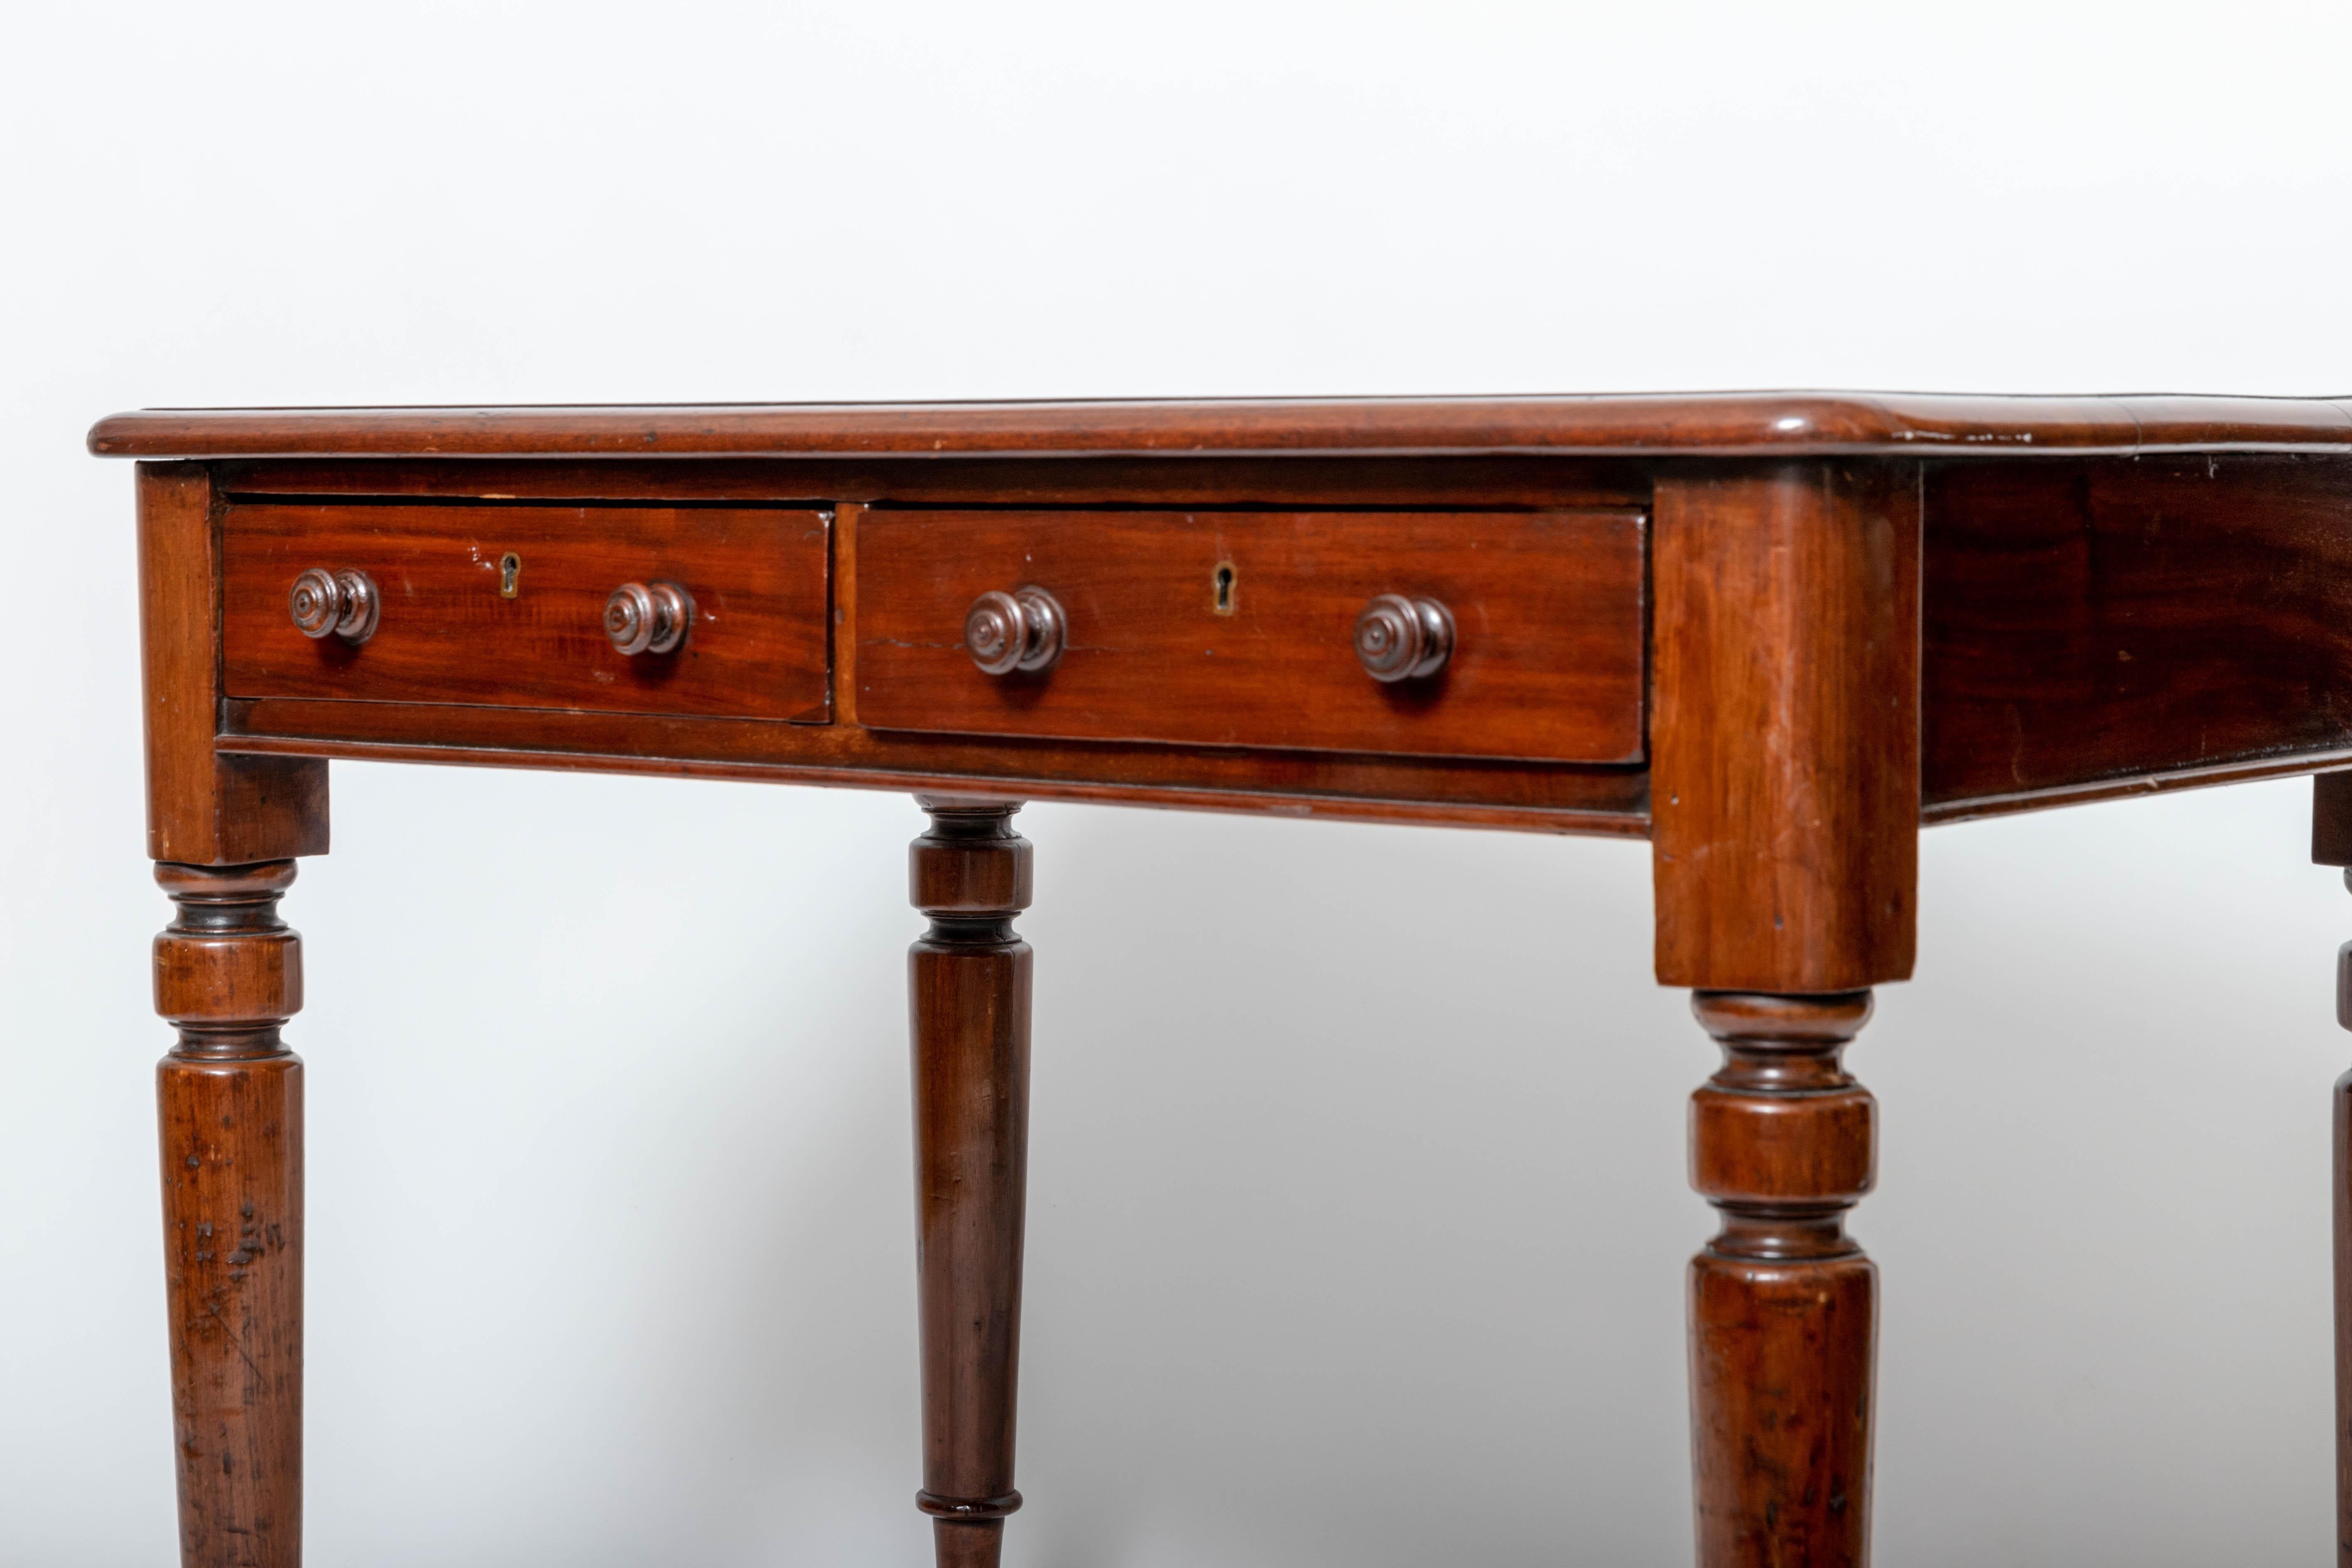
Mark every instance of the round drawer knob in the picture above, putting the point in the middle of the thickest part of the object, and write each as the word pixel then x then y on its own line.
pixel 1400 638
pixel 334 603
pixel 1020 630
pixel 647 617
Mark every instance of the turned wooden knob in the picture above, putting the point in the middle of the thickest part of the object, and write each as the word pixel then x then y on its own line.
pixel 647 617
pixel 1020 630
pixel 334 603
pixel 1400 638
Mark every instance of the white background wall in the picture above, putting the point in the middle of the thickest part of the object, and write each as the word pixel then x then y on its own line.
pixel 1358 1211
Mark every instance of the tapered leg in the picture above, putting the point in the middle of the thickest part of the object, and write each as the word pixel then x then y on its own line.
pixel 969 986
pixel 228 974
pixel 2343 1274
pixel 1783 1305
pixel 2343 1267
pixel 1785 791
pixel 2331 844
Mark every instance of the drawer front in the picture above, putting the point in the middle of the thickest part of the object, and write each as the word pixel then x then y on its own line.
pixel 1237 628
pixel 448 631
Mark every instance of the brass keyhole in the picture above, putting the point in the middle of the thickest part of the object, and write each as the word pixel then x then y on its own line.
pixel 1224 603
pixel 509 574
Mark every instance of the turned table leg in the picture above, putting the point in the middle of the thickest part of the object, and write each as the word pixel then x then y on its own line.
pixel 1783 1305
pixel 1784 834
pixel 2343 1204
pixel 2331 844
pixel 967 981
pixel 228 974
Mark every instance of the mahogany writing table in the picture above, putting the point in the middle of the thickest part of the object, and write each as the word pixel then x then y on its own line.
pixel 1775 633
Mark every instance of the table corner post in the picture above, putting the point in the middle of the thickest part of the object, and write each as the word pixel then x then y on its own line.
pixel 222 830
pixel 968 990
pixel 205 806
pixel 1785 798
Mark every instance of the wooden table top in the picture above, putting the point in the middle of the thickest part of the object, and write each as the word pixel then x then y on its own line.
pixel 1734 424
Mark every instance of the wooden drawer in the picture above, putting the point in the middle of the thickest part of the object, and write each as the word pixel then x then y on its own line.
pixel 756 648
pixel 1548 607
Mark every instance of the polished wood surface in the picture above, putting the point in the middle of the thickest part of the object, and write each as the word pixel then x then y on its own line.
pixel 1784 829
pixel 967 982
pixel 1567 799
pixel 2331 844
pixel 450 630
pixel 1783 1305
pixel 205 807
pixel 1774 633
pixel 2331 820
pixel 2342 1213
pixel 1754 423
pixel 1434 483
pixel 228 974
pixel 1236 628
pixel 1784 787
pixel 2112 620
pixel 1608 801
pixel 1962 648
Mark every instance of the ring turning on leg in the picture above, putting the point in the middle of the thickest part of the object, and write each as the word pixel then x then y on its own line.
pixel 967 981
pixel 1783 1305
pixel 228 974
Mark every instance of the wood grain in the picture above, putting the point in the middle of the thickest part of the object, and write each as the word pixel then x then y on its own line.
pixel 968 985
pixel 205 808
pixel 2005 684
pixel 842 631
pixel 2331 844
pixel 1783 1305
pixel 228 974
pixel 1785 742
pixel 1784 835
pixel 1542 798
pixel 2331 820
pixel 2118 592
pixel 1761 424
pixel 2102 621
pixel 1432 483
pixel 1548 662
pixel 2342 1209
pixel 757 649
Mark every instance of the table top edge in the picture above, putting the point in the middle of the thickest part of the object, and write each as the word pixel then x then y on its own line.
pixel 1722 424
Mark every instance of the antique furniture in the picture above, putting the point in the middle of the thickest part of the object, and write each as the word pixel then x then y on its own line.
pixel 1774 634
